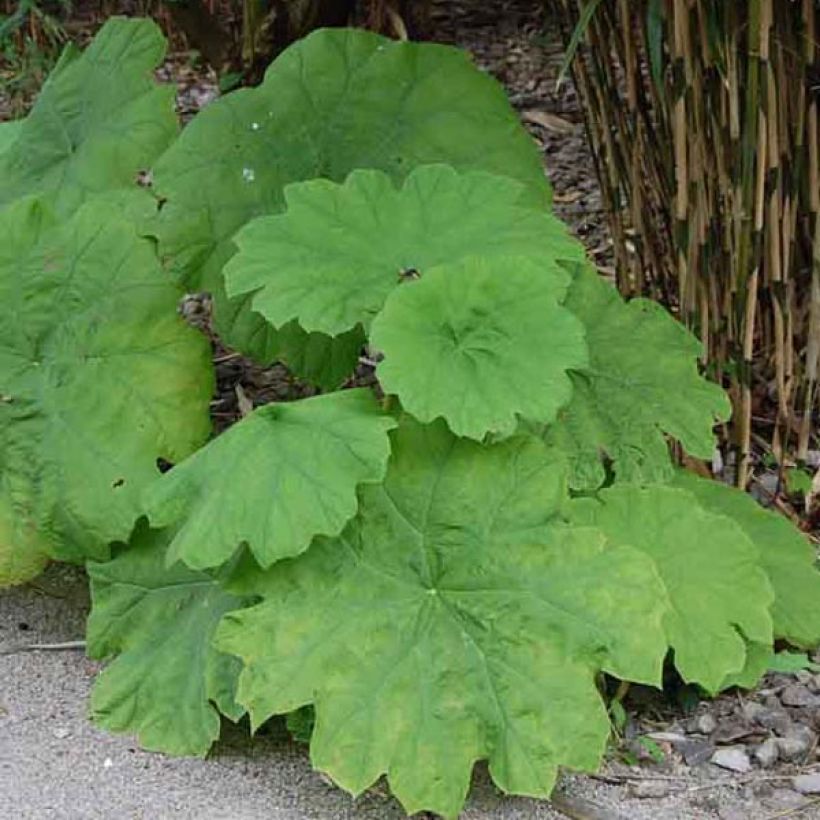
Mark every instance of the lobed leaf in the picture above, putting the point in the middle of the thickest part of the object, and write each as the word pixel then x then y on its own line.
pixel 282 475
pixel 785 554
pixel 9 132
pixel 99 377
pixel 455 345
pixel 337 253
pixel 99 119
pixel 719 593
pixel 453 620
pixel 23 551
pixel 336 101
pixel 166 683
pixel 642 381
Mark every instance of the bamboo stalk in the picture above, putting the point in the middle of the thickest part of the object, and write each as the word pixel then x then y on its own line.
pixel 710 167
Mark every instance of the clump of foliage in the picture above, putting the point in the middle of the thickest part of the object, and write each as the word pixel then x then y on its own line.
pixel 31 36
pixel 441 569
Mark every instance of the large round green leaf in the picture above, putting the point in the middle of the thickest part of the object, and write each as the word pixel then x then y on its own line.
pixel 480 343
pixel 99 376
pixel 453 620
pixel 719 592
pixel 282 475
pixel 334 102
pixel 23 551
pixel 99 119
pixel 786 555
pixel 642 381
pixel 335 255
pixel 166 684
pixel 9 131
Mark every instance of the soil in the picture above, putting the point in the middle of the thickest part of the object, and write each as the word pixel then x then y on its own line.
pixel 55 764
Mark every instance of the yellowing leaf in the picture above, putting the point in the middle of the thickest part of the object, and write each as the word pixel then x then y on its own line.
pixel 712 572
pixel 455 619
pixel 99 376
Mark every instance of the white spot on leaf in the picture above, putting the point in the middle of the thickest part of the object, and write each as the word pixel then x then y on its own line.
pixel 248 174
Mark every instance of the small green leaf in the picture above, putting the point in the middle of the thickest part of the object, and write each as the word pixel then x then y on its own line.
pixel 617 714
pixel 300 723
pixel 455 345
pixel 166 682
pixel 454 619
pixel 711 570
pixel 652 749
pixel 337 253
pixel 99 119
pixel 798 480
pixel 282 475
pixel 790 662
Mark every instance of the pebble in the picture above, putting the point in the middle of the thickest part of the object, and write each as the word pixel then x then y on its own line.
pixel 766 753
pixel 786 800
pixel 733 813
pixel 733 758
pixel 752 710
pixel 776 719
pixel 797 694
pixel 649 789
pixel 796 744
pixel 695 751
pixel 61 732
pixel 807 783
pixel 704 724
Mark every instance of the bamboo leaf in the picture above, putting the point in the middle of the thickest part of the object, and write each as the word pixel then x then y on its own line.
pixel 654 33
pixel 575 40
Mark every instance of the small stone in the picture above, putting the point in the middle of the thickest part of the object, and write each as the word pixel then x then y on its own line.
pixel 752 710
pixel 666 737
pixel 733 758
pixel 786 800
pixel 649 789
pixel 731 730
pixel 798 695
pixel 61 732
pixel 778 720
pixel 796 744
pixel 704 724
pixel 806 783
pixel 694 751
pixel 733 813
pixel 766 753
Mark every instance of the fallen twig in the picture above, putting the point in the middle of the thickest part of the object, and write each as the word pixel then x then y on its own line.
pixel 795 810
pixel 43 647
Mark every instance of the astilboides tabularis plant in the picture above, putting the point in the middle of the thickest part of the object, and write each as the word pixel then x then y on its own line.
pixel 442 564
